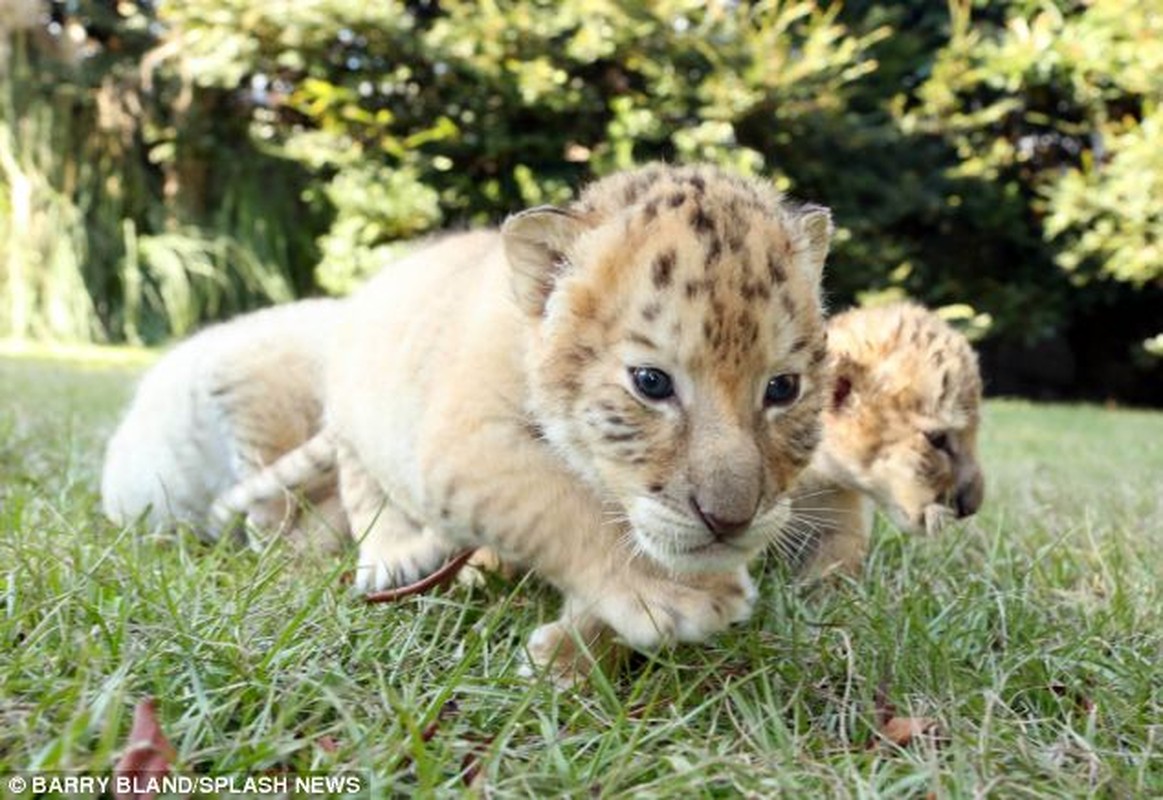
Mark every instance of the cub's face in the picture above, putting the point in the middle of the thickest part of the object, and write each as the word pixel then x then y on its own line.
pixel 902 420
pixel 679 358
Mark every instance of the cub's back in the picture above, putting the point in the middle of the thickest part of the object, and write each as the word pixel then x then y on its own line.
pixel 398 344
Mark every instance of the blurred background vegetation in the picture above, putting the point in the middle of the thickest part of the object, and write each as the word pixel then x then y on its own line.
pixel 165 162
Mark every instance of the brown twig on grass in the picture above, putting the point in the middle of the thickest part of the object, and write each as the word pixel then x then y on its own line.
pixel 440 577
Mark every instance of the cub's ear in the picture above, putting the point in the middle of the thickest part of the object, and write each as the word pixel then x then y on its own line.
pixel 847 378
pixel 814 236
pixel 535 243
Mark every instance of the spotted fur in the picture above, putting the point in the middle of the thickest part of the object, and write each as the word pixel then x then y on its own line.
pixel 900 431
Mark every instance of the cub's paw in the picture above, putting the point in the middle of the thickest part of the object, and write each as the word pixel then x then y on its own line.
pixel 552 649
pixel 936 517
pixel 484 562
pixel 684 609
pixel 568 649
pixel 399 561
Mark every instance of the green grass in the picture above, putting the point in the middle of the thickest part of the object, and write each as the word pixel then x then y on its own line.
pixel 1034 636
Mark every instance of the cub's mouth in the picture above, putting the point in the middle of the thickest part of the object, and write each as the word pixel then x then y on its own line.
pixel 926 509
pixel 683 543
pixel 934 517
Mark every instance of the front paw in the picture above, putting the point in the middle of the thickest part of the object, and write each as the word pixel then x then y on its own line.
pixel 565 653
pixel 484 562
pixel 661 612
pixel 399 562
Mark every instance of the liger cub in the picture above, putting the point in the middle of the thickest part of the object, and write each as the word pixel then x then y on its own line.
pixel 617 394
pixel 900 431
pixel 219 408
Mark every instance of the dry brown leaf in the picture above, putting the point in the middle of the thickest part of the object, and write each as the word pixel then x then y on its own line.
pixel 903 731
pixel 1082 701
pixel 148 753
pixel 447 711
pixel 470 766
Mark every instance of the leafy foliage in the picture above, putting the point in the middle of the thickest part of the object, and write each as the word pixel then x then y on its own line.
pixel 997 157
pixel 1067 105
pixel 131 206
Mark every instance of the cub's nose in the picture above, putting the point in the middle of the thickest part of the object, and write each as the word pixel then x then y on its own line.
pixel 968 498
pixel 720 527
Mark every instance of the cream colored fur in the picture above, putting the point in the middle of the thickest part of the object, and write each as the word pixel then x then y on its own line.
pixel 483 392
pixel 218 408
pixel 900 432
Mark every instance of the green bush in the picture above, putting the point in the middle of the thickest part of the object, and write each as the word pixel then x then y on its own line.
pixel 131 207
pixel 1000 159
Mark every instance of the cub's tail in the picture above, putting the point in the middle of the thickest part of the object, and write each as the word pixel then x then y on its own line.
pixel 309 469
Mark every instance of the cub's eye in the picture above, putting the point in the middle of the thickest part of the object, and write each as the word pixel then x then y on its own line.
pixel 938 440
pixel 782 390
pixel 651 383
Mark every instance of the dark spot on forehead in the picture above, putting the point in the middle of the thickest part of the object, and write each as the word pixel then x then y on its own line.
pixel 775 269
pixel 634 189
pixel 701 221
pixel 676 199
pixel 699 183
pixel 734 224
pixel 621 436
pixel 789 306
pixel 755 289
pixel 748 327
pixel 642 339
pixel 580 354
pixel 714 251
pixel 662 269
pixel 650 311
pixel 532 429
pixel 745 265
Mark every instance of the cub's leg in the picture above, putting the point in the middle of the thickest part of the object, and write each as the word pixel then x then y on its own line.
pixel 570 646
pixel 538 515
pixel 272 498
pixel 394 549
pixel 658 611
pixel 648 609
